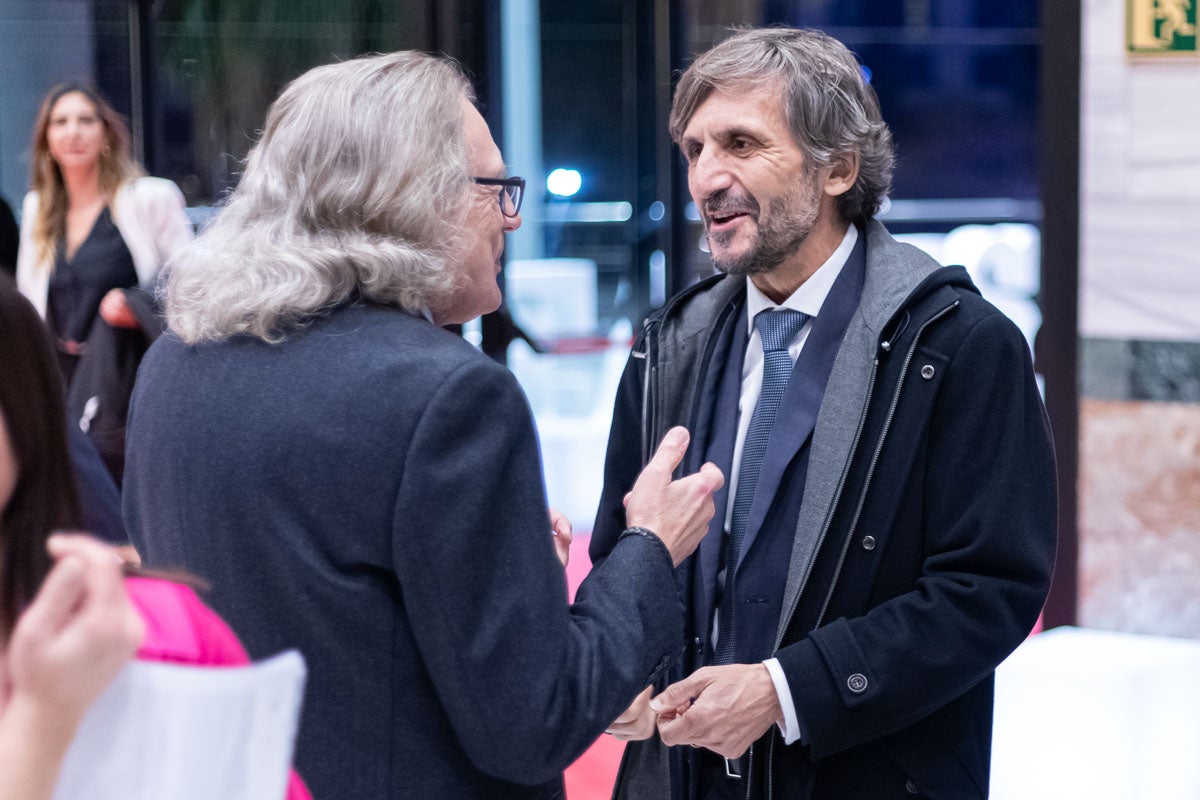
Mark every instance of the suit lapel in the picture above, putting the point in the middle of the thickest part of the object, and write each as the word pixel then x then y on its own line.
pixel 806 387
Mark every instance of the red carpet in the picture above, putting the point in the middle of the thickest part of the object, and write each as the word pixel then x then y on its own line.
pixel 592 776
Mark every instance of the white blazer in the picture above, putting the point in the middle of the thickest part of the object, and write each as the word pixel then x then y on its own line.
pixel 149 213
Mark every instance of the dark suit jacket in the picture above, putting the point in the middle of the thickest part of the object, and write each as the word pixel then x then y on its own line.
pixel 369 491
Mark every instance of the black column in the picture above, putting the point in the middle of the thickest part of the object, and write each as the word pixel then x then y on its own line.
pixel 141 82
pixel 1058 341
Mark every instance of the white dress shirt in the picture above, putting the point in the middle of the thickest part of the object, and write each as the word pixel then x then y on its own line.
pixel 808 298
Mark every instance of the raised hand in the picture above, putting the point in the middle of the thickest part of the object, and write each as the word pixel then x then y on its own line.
pixel 678 511
pixel 78 632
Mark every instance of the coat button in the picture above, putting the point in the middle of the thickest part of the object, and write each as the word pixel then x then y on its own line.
pixel 927 371
pixel 911 787
pixel 857 683
pixel 868 543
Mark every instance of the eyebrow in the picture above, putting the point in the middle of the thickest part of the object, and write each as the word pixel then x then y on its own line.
pixel 741 131
pixel 492 173
pixel 732 132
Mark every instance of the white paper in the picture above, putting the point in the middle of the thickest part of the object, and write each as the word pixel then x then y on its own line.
pixel 189 733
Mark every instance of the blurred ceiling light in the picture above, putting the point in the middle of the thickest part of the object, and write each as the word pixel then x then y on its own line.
pixel 564 182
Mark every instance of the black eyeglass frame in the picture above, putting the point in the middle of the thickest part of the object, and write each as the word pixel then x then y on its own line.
pixel 514 188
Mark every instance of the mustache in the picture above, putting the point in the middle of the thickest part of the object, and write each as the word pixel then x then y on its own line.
pixel 724 203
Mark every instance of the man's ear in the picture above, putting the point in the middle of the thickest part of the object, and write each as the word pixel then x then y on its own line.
pixel 842 174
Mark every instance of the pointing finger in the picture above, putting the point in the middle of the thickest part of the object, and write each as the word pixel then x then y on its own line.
pixel 714 474
pixel 670 453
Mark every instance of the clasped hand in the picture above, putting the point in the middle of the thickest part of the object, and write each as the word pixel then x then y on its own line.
pixel 724 709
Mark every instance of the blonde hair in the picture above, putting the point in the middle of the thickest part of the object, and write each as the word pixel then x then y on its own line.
pixel 116 167
pixel 356 189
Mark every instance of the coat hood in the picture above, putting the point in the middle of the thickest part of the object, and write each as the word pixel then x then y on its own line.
pixel 900 275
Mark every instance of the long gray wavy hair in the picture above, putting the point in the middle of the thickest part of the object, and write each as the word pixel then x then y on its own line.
pixel 357 186
pixel 830 109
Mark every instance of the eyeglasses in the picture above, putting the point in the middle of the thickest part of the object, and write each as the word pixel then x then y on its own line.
pixel 511 194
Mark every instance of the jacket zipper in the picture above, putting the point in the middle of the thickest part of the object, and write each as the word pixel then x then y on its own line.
pixel 749 770
pixel 887 425
pixel 651 331
pixel 862 422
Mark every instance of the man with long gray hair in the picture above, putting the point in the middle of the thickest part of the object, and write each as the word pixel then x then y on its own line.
pixel 363 486
pixel 888 533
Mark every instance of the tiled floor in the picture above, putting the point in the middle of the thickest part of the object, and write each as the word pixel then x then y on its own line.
pixel 1097 715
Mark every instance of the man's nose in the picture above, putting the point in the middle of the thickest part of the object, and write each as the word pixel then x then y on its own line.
pixel 512 223
pixel 707 175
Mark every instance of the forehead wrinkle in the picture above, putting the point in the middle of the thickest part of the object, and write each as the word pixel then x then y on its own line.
pixel 765 97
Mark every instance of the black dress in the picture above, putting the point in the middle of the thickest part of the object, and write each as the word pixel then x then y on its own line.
pixel 10 236
pixel 77 285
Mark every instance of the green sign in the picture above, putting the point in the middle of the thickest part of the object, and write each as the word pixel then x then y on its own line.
pixel 1160 26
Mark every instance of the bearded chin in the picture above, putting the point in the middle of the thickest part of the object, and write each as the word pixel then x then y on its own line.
pixel 749 263
pixel 780 233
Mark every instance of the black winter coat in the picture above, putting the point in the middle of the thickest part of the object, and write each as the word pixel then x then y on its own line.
pixel 931 483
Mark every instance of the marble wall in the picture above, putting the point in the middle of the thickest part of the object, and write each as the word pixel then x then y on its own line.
pixel 1139 295
pixel 1139 482
pixel 1140 186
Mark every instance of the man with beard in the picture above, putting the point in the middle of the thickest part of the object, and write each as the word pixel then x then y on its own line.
pixel 887 535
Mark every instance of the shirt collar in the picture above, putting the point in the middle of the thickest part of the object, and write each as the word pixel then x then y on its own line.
pixel 421 312
pixel 810 295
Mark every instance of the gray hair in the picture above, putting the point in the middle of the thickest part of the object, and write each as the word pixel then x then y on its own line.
pixel 830 108
pixel 356 188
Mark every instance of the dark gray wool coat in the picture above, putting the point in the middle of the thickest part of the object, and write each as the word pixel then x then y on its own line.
pixel 369 492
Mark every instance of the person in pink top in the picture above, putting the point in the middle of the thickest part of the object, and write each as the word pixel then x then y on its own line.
pixel 69 616
pixel 181 629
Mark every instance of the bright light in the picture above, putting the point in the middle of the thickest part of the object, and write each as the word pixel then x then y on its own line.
pixel 564 182
pixel 658 278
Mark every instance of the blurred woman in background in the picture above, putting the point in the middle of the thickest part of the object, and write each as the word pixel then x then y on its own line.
pixel 93 226
pixel 92 222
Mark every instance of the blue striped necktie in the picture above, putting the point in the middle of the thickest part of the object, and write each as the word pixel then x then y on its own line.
pixel 776 327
